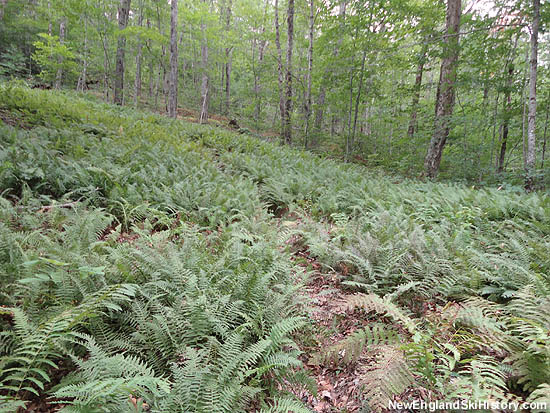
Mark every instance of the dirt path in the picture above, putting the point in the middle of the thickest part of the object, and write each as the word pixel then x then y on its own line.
pixel 338 385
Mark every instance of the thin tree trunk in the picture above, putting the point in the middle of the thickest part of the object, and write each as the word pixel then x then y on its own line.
pixel 50 27
pixel 228 60
pixel 545 130
pixel 2 6
pixel 287 132
pixel 137 80
pixel 161 74
pixel 506 120
pixel 279 64
pixel 173 90
pixel 106 69
pixel 256 71
pixel 524 114
pixel 488 126
pixel 309 69
pixel 123 14
pixel 151 67
pixel 532 118
pixel 82 78
pixel 350 111
pixel 256 85
pixel 445 90
pixel 417 88
pixel 358 99
pixel 59 75
pixel 203 117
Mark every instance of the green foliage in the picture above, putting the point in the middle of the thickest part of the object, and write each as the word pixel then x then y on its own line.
pixel 51 56
pixel 351 348
pixel 149 246
pixel 135 264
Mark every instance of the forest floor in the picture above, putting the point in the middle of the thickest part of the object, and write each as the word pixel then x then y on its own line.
pixel 356 269
pixel 338 389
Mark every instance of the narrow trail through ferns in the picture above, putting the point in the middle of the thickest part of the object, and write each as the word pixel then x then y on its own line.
pixel 149 264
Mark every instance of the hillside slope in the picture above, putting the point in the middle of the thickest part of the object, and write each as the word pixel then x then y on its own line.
pixel 147 263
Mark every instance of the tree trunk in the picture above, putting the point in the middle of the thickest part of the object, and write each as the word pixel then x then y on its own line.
pixel 417 88
pixel 358 99
pixel 106 68
pixel 137 80
pixel 524 105
pixel 532 117
pixel 123 14
pixel 545 130
pixel 82 78
pixel 50 27
pixel 279 63
pixel 59 75
pixel 445 89
pixel 506 120
pixel 228 59
pixel 287 131
pixel 151 78
pixel 173 90
pixel 2 6
pixel 308 107
pixel 203 117
pixel 350 110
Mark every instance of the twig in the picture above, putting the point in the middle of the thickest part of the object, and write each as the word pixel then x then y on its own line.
pixel 50 207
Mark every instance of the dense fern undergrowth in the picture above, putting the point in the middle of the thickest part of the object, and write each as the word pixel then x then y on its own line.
pixel 143 268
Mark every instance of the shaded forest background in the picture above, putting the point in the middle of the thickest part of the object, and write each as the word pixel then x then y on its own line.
pixel 352 79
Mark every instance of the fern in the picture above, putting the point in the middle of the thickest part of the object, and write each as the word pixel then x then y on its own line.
pixel 373 303
pixel 387 376
pixel 104 382
pixel 38 346
pixel 352 347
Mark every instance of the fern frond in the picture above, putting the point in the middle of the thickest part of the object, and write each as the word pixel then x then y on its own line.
pixel 351 348
pixel 382 306
pixel 388 376
pixel 285 405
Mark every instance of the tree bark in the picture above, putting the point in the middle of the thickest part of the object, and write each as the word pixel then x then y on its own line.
pixel 417 88
pixel 2 6
pixel 279 63
pixel 545 130
pixel 59 74
pixel 106 68
pixel 228 59
pixel 506 120
pixel 151 67
pixel 308 100
pixel 287 123
pixel 532 117
pixel 50 27
pixel 445 89
pixel 137 80
pixel 203 117
pixel 524 113
pixel 358 100
pixel 82 78
pixel 173 90
pixel 123 14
